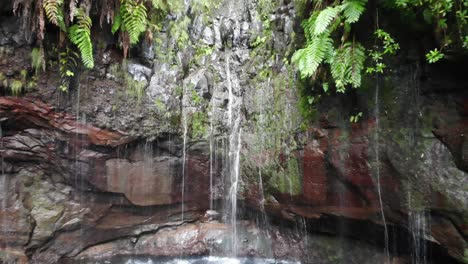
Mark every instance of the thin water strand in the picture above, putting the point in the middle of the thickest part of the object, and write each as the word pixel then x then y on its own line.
pixel 184 154
pixel 377 159
pixel 211 152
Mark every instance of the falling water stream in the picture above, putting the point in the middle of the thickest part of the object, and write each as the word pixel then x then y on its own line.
pixel 235 131
pixel 377 172
pixel 418 227
pixel 184 153
pixel 212 151
pixel 4 186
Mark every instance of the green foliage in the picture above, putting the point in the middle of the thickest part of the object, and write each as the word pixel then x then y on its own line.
pixel 53 10
pixel 68 62
pixel 353 9
pixel 434 55
pixel 133 19
pixel 309 58
pixel 16 86
pixel 388 47
pixel 324 19
pixel 179 32
pixel 355 118
pixel 199 120
pixel 133 87
pixel 37 60
pixel 449 19
pixel 80 35
pixel 196 99
pixel 346 66
pixel 346 61
pixel 465 255
pixel 203 6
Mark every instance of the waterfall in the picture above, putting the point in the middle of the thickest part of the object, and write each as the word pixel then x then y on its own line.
pixel 260 132
pixel 235 131
pixel 4 187
pixel 211 152
pixel 184 153
pixel 79 181
pixel 417 225
pixel 377 172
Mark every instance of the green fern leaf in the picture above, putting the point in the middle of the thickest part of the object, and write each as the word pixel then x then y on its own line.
pixel 80 35
pixel 324 19
pixel 117 23
pixel 347 64
pixel 309 58
pixel 53 12
pixel 353 9
pixel 358 56
pixel 160 5
pixel 134 19
pixel 309 25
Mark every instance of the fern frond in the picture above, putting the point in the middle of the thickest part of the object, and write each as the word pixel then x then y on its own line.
pixel 309 58
pixel 38 60
pixel 309 25
pixel 117 23
pixel 347 64
pixel 358 56
pixel 339 67
pixel 324 19
pixel 353 9
pixel 52 9
pixel 160 5
pixel 133 19
pixel 80 35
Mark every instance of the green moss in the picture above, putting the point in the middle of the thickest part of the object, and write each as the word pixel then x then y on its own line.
pixel 16 86
pixel 134 87
pixel 288 179
pixel 199 120
pixel 160 106
pixel 465 256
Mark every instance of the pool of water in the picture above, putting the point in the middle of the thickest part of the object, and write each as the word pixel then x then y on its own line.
pixel 208 260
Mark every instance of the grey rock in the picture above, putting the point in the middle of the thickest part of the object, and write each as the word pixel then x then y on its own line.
pixel 208 37
pixel 139 72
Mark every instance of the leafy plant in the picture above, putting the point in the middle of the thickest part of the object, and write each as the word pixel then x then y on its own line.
pixel 449 19
pixel 346 66
pixel 53 10
pixel 37 60
pixel 68 61
pixel 346 60
pixel 80 35
pixel 16 86
pixel 389 47
pixel 355 118
pixel 133 19
pixel 199 120
pixel 434 56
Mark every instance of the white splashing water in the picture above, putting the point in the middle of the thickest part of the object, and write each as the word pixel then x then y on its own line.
pixel 235 131
pixel 418 227
pixel 377 159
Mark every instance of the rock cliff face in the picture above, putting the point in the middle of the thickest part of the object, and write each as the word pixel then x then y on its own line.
pixel 100 173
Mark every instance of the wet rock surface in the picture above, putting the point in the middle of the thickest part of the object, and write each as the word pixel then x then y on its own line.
pixel 96 174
